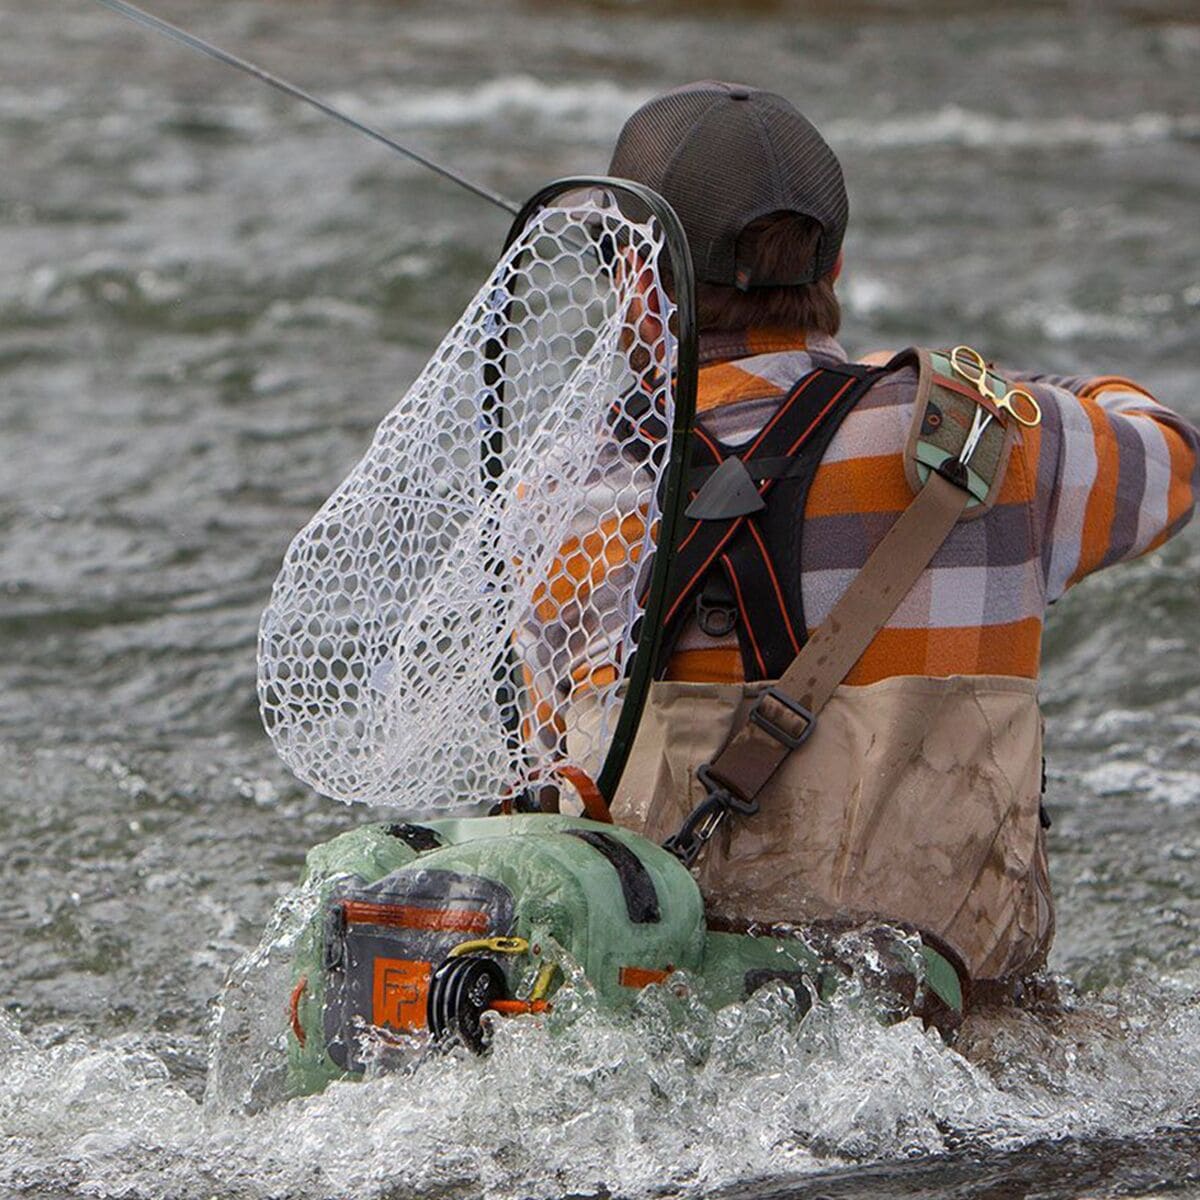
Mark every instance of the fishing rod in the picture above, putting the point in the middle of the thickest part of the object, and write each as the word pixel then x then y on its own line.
pixel 192 42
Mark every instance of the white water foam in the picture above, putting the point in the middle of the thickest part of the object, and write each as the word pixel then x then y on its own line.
pixel 1135 777
pixel 953 125
pixel 592 107
pixel 673 1098
pixel 598 108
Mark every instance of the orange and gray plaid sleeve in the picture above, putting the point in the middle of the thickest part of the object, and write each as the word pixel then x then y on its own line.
pixel 1118 475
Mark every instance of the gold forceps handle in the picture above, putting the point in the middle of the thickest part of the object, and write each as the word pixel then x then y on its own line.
pixel 1020 404
pixel 968 364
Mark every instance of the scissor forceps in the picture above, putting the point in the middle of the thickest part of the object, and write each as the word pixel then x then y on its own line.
pixel 1019 404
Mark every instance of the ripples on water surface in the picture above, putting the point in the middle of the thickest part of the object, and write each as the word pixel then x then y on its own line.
pixel 209 296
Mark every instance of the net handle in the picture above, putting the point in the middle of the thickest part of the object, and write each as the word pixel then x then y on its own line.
pixel 645 655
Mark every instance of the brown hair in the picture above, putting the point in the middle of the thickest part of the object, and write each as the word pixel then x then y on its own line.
pixel 776 246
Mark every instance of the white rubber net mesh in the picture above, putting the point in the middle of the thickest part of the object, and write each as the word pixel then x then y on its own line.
pixel 456 620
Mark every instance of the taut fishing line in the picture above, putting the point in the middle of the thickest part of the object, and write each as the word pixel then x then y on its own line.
pixel 190 40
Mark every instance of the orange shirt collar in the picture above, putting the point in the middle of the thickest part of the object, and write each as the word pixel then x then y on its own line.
pixel 722 347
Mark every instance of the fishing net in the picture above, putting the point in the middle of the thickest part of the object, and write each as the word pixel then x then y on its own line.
pixel 457 618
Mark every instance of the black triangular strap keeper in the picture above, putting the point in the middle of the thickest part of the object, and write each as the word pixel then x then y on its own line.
pixel 728 492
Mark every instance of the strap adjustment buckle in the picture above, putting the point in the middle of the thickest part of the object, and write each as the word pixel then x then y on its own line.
pixel 706 818
pixel 791 740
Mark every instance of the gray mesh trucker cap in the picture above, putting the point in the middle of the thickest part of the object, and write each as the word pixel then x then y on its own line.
pixel 723 155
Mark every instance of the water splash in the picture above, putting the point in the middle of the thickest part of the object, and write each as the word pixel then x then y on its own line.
pixel 671 1097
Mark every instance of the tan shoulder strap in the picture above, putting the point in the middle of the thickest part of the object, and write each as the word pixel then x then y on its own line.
pixel 784 715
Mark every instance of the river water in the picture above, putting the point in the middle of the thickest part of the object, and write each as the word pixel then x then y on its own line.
pixel 209 296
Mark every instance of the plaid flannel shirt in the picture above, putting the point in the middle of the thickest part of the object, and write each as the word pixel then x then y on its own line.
pixel 1108 475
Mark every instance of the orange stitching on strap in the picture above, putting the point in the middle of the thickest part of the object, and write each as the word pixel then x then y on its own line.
pixel 783 610
pixel 762 666
pixel 695 529
pixel 683 592
pixel 820 416
pixel 784 408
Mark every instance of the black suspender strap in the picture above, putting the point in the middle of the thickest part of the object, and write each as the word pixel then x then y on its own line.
pixel 756 554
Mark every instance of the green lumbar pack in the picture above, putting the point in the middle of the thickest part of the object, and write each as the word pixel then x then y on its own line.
pixel 421 930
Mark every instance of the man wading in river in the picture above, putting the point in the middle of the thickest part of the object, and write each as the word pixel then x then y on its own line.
pixel 917 797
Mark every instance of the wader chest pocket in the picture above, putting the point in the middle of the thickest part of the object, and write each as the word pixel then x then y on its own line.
pixel 384 940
